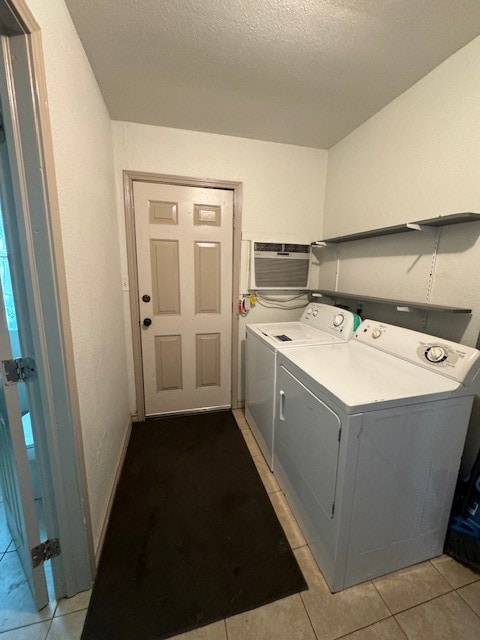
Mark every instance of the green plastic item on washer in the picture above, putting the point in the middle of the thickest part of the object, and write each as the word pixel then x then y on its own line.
pixel 357 321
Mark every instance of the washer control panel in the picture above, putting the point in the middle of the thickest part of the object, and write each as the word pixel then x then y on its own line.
pixel 456 361
pixel 329 318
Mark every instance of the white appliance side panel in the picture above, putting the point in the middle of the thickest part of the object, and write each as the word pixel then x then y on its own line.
pixel 259 393
pixel 407 469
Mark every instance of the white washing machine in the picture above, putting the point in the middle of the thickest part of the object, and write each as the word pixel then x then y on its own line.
pixel 368 440
pixel 320 324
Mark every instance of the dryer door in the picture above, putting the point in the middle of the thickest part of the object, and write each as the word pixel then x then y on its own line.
pixel 307 444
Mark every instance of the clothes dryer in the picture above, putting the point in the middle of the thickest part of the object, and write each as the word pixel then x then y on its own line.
pixel 368 440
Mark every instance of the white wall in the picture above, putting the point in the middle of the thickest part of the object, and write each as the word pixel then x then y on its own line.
pixel 82 141
pixel 419 157
pixel 283 186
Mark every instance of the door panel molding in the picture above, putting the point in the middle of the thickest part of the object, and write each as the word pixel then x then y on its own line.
pixel 165 262
pixel 129 177
pixel 208 276
pixel 168 362
pixel 208 361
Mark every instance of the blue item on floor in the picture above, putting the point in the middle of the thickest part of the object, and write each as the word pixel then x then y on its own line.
pixel 465 525
pixel 463 536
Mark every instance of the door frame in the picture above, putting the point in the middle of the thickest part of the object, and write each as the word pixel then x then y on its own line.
pixel 129 177
pixel 59 441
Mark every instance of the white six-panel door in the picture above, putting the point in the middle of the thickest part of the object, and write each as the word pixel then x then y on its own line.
pixel 184 239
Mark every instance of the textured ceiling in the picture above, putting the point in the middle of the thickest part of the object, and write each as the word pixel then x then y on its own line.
pixel 304 72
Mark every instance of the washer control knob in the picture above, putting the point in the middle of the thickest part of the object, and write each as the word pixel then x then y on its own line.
pixel 435 354
pixel 376 333
pixel 309 311
pixel 315 312
pixel 338 319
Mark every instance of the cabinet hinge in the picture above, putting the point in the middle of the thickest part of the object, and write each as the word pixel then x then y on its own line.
pixel 333 509
pixel 17 370
pixel 340 434
pixel 45 551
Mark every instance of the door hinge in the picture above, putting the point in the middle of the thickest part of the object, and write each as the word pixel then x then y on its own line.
pixel 17 370
pixel 45 551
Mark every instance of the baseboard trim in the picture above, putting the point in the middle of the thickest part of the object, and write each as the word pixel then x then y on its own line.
pixel 123 453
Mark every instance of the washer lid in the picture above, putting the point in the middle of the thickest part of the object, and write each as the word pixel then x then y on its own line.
pixel 359 378
pixel 291 334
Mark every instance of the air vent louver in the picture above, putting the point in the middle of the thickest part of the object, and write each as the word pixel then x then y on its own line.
pixel 280 266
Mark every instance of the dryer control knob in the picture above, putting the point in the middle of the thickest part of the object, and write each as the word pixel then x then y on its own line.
pixel 315 313
pixel 435 354
pixel 376 333
pixel 309 311
pixel 338 319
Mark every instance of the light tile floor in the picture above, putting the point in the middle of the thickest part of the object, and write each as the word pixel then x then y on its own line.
pixel 439 599
pixel 19 618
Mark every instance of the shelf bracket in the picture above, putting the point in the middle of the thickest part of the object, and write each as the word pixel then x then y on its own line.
pixel 426 228
pixel 409 310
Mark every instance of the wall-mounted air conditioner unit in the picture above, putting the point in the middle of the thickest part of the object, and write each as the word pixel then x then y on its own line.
pixel 279 266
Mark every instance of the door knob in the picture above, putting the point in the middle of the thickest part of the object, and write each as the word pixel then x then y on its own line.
pixel 147 322
pixel 146 298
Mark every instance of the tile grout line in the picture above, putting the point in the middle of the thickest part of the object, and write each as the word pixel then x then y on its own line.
pixel 345 635
pixel 446 579
pixel 25 626
pixel 440 573
pixel 451 590
pixel 467 603
pixel 302 546
pixel 49 627
pixel 349 632
pixel 425 602
pixel 467 584
pixel 308 615
pixel 226 630
pixel 381 597
pixel 62 615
